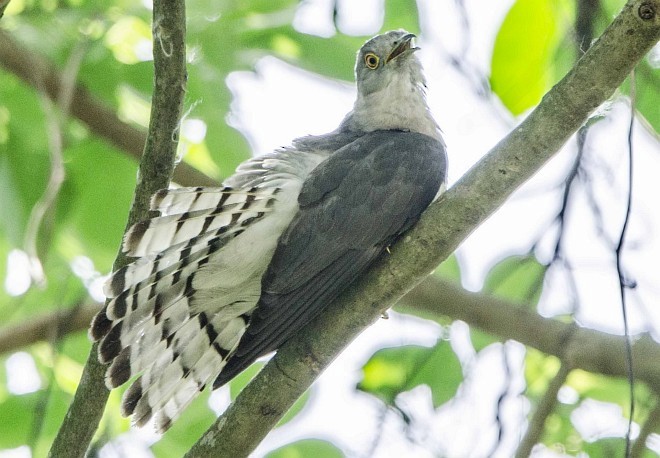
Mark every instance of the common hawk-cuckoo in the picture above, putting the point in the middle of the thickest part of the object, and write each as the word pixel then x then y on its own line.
pixel 226 275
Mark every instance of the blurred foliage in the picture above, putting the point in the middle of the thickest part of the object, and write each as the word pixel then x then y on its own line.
pixel 615 391
pixel 537 45
pixel 392 371
pixel 449 269
pixel 540 369
pixel 533 49
pixel 516 278
pixel 306 448
pixel 521 68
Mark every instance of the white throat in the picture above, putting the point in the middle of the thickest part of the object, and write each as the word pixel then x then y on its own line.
pixel 401 105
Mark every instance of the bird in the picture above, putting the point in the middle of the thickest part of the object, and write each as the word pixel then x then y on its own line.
pixel 225 275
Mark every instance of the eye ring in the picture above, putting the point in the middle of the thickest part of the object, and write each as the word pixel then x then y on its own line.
pixel 371 60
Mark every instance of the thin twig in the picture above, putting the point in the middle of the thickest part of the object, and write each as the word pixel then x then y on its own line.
pixel 501 398
pixel 460 60
pixel 572 175
pixel 543 411
pixel 624 282
pixel 55 125
pixel 560 260
pixel 380 426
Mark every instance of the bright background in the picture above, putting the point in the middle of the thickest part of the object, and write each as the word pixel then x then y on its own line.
pixel 287 69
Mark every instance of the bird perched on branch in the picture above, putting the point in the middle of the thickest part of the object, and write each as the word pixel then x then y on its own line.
pixel 226 275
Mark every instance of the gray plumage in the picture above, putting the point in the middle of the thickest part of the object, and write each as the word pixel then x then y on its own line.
pixel 226 275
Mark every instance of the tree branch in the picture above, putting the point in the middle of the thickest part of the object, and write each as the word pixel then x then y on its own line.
pixel 578 348
pixel 49 326
pixel 101 119
pixel 156 166
pixel 586 349
pixel 442 228
pixel 543 410
pixel 650 425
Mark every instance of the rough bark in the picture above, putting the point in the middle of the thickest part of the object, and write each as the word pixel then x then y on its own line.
pixel 156 167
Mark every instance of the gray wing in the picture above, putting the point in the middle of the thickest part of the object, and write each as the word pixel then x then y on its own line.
pixel 352 207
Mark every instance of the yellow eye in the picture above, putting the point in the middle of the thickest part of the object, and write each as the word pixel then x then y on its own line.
pixel 371 60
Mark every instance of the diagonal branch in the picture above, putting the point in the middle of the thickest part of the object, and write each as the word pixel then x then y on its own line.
pixel 101 119
pixel 543 411
pixel 156 168
pixel 650 426
pixel 442 228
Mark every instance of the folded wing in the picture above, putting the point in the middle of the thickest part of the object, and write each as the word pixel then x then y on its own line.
pixel 352 207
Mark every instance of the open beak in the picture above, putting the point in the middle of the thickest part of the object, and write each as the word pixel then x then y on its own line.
pixel 404 47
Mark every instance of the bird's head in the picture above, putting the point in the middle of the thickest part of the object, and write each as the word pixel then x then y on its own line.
pixel 387 59
pixel 391 87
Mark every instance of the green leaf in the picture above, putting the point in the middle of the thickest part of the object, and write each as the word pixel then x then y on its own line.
pixel 17 411
pixel 96 199
pixel 401 14
pixel 564 57
pixel 307 448
pixel 331 57
pixel 611 8
pixel 295 409
pixel 647 93
pixel 392 371
pixel 540 369
pixel 449 269
pixel 611 446
pixel 76 346
pixel 57 405
pixel 481 340
pixel 521 66
pixel 517 278
pixel 238 383
pixel 558 429
pixel 62 289
pixel 614 390
pixel 24 162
